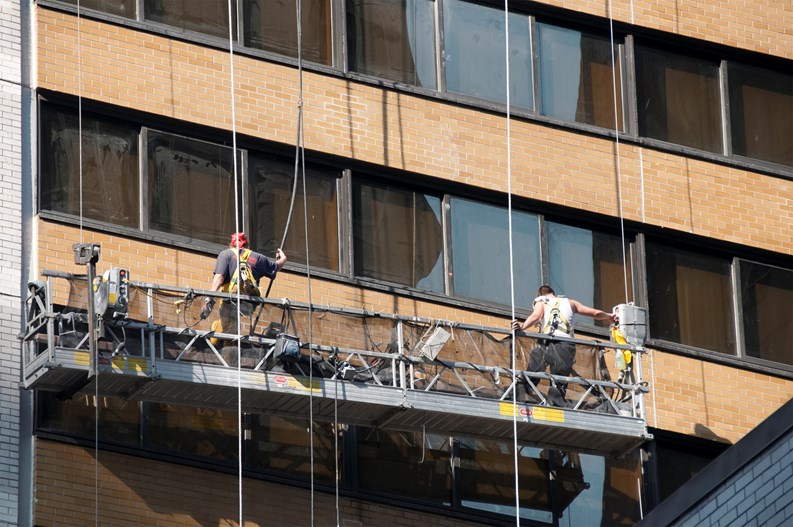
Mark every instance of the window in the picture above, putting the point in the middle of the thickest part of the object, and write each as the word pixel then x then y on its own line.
pixel 394 39
pixel 191 190
pixel 195 431
pixel 398 236
pixel 767 311
pixel 678 99
pixel 474 58
pixel 271 25
pixel 271 181
pixel 480 253
pixel 587 266
pixel 202 16
pixel 556 487
pixel 119 420
pixel 577 76
pixel 125 8
pixel 410 464
pixel 106 189
pixel 690 299
pixel 761 113
pixel 281 444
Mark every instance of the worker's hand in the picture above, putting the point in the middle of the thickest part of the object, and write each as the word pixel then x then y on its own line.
pixel 516 325
pixel 280 258
pixel 209 303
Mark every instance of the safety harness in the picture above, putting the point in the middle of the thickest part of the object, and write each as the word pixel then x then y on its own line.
pixel 554 318
pixel 242 277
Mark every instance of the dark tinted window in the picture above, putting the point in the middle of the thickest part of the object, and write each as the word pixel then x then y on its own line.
pixel 761 113
pixel 678 99
pixel 577 76
pixel 107 187
pixel 690 298
pixel 191 187
pixel 394 39
pixel 272 182
pixel 398 236
pixel 767 307
pixel 271 25
pixel 474 59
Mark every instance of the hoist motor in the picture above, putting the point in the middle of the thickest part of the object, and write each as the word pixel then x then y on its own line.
pixel 111 293
pixel 632 323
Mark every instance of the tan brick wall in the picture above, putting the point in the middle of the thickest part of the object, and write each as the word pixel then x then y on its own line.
pixel 709 400
pixel 188 82
pixel 135 492
pixel 687 395
pixel 764 26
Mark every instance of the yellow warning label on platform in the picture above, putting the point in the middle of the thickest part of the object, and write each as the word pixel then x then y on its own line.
pixel 513 410
pixel 543 413
pixel 130 363
pixel 311 385
pixel 82 358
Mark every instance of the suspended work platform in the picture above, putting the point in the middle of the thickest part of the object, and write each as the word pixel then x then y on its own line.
pixel 360 368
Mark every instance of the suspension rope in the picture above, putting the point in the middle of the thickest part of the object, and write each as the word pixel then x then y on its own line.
pixel 240 432
pixel 619 198
pixel 80 186
pixel 300 161
pixel 511 265
pixel 617 146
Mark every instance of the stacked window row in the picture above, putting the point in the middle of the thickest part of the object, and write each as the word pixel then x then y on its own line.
pixel 424 240
pixel 474 477
pixel 685 97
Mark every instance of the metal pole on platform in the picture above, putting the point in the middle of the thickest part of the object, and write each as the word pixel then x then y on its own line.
pixel 88 254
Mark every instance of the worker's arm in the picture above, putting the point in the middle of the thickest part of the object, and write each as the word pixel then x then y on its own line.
pixel 280 259
pixel 587 311
pixel 532 319
pixel 217 282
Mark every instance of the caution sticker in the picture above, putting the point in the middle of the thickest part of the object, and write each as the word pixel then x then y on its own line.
pixel 543 413
pixel 514 410
pixel 304 383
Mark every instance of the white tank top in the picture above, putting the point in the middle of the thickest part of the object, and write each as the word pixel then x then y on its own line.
pixel 557 319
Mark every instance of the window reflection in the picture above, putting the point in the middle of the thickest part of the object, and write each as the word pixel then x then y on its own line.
pixel 125 8
pixel 394 39
pixel 398 236
pixel 474 58
pixel 690 299
pixel 283 445
pixel 480 252
pixel 587 266
pixel 203 432
pixel 410 464
pixel 272 180
pixel 767 302
pixel 761 113
pixel 271 25
pixel 678 99
pixel 577 77
pixel 107 186
pixel 202 16
pixel 119 420
pixel 191 189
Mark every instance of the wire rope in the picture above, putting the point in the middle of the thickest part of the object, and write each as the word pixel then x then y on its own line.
pixel 236 229
pixel 617 146
pixel 513 341
pixel 80 185
pixel 619 193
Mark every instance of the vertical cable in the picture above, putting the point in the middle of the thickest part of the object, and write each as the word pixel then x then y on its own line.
pixel 236 229
pixel 511 264
pixel 80 185
pixel 617 146
pixel 300 157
